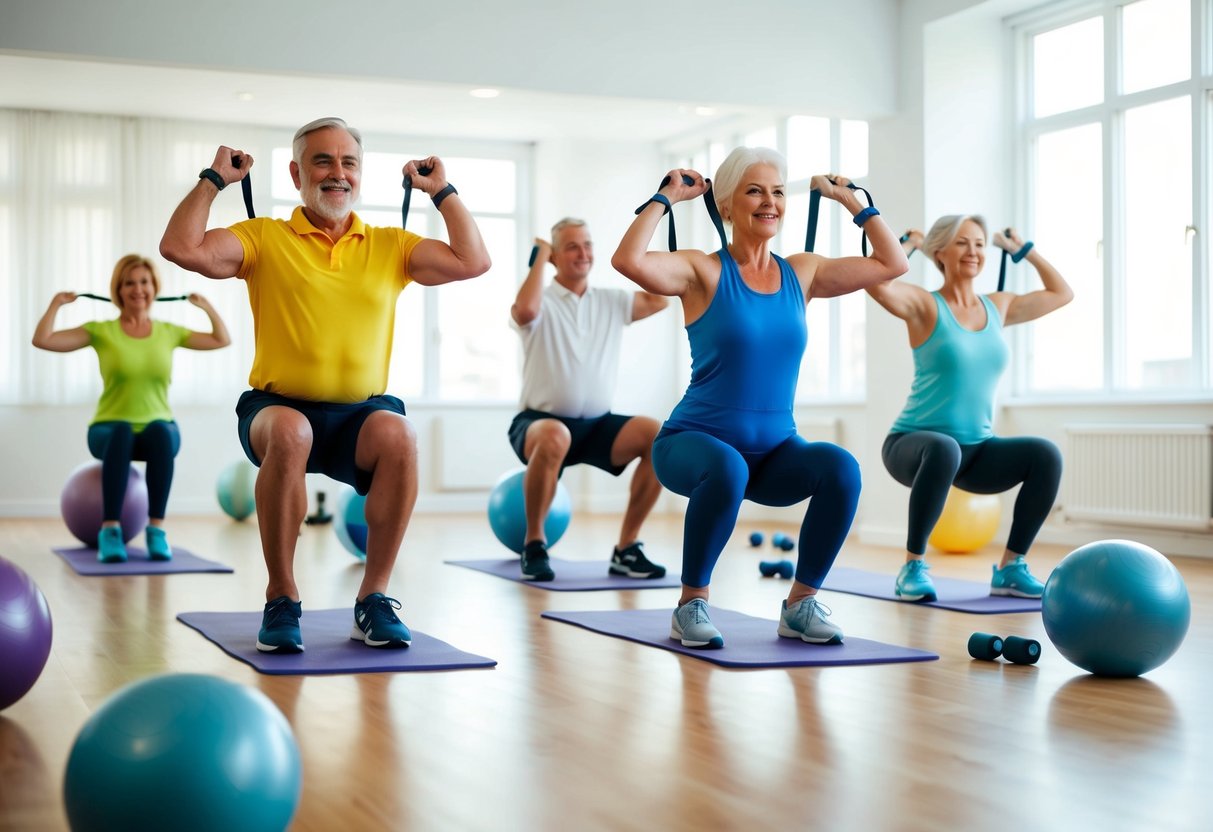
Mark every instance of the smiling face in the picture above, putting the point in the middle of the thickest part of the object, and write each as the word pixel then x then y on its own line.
pixel 573 252
pixel 329 173
pixel 136 290
pixel 965 256
pixel 758 202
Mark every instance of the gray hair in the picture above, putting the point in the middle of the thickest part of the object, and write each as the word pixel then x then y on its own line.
pixel 734 166
pixel 319 124
pixel 567 222
pixel 945 230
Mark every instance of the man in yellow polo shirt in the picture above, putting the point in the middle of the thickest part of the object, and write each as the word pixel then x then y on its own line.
pixel 323 289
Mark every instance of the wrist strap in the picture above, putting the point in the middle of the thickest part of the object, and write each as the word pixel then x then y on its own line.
pixel 443 194
pixel 864 215
pixel 213 176
pixel 1023 252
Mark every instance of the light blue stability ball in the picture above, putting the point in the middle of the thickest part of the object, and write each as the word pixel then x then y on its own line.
pixel 507 512
pixel 236 489
pixel 350 522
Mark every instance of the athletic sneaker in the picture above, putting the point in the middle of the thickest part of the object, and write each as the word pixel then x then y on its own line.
pixel 110 546
pixel 1015 579
pixel 632 562
pixel 691 626
pixel 376 624
pixel 157 544
pixel 535 563
pixel 913 582
pixel 280 627
pixel 808 620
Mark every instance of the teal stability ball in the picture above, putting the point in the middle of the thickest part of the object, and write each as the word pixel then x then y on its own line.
pixel 235 489
pixel 507 512
pixel 350 523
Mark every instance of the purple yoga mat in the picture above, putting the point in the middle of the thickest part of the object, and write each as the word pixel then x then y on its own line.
pixel 328 647
pixel 571 575
pixel 748 641
pixel 84 561
pixel 961 596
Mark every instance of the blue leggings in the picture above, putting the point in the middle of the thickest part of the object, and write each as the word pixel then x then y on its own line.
pixel 116 444
pixel 717 477
pixel 930 462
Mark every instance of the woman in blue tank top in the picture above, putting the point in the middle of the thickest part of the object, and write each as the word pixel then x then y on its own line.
pixel 945 436
pixel 733 437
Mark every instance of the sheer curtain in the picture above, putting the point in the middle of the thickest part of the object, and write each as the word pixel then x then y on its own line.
pixel 79 191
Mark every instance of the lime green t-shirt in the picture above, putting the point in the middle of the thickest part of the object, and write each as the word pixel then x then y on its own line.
pixel 135 372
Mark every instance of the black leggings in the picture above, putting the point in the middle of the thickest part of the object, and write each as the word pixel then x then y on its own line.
pixel 930 462
pixel 116 444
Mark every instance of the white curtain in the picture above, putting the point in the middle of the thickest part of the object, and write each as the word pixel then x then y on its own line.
pixel 79 191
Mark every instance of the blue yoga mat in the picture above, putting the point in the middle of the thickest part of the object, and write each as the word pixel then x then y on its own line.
pixel 960 596
pixel 84 561
pixel 328 647
pixel 748 641
pixel 571 575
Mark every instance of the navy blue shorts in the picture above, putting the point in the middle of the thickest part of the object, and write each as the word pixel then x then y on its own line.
pixel 592 438
pixel 335 430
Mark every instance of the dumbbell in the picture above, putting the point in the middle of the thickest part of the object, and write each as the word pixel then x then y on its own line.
pixel 781 541
pixel 755 538
pixel 782 568
pixel 987 647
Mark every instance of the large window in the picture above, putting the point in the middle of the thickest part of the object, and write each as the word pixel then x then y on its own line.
pixel 1115 137
pixel 834 363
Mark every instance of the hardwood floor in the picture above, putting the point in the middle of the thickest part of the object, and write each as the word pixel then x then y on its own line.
pixel 574 730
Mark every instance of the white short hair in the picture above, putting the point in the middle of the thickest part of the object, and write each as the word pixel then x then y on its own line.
pixel 729 174
pixel 319 124
pixel 561 225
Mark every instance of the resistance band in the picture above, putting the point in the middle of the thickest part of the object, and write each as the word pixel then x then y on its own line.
pixel 110 300
pixel 810 237
pixel 1015 258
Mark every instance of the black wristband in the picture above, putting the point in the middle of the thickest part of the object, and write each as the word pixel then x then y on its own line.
pixel 443 194
pixel 214 177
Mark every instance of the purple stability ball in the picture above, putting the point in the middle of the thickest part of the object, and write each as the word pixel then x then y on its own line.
pixel 25 633
pixel 82 509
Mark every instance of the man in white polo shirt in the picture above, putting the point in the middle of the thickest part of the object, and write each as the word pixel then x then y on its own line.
pixel 571 336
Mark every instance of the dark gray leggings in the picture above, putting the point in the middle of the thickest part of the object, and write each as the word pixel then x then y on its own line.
pixel 930 462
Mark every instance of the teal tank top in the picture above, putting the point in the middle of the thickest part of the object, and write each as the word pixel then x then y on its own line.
pixel 956 372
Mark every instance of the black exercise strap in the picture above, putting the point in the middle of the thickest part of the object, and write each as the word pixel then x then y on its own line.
pixel 104 298
pixel 709 199
pixel 810 237
pixel 1015 258
pixel 408 195
pixel 246 187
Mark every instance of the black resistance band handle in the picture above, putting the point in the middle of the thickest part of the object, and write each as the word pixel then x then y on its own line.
pixel 246 188
pixel 108 300
pixel 408 195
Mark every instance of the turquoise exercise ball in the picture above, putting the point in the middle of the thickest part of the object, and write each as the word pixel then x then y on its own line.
pixel 236 489
pixel 507 512
pixel 350 522
pixel 187 752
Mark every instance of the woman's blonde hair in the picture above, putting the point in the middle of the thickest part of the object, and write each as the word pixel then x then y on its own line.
pixel 945 230
pixel 734 166
pixel 124 267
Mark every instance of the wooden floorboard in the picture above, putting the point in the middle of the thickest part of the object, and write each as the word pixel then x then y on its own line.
pixel 574 730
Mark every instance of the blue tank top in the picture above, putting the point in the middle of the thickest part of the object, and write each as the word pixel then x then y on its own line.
pixel 745 362
pixel 956 372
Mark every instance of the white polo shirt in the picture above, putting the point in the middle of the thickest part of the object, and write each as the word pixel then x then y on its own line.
pixel 571 351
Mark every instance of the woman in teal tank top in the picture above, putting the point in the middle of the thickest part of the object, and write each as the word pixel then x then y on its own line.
pixel 133 420
pixel 945 436
pixel 733 436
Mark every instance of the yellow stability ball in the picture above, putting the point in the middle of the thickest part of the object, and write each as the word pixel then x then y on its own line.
pixel 969 521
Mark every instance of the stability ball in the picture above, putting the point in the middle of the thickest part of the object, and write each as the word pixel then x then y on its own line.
pixel 969 521
pixel 350 522
pixel 1116 608
pixel 82 508
pixel 235 489
pixel 507 512
pixel 25 633
pixel 186 752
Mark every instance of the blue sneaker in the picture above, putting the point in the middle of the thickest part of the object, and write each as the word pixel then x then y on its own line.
pixel 280 627
pixel 157 544
pixel 691 626
pixel 376 624
pixel 807 620
pixel 913 582
pixel 110 546
pixel 1015 579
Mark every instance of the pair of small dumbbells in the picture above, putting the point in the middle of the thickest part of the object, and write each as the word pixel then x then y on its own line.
pixel 1014 649
pixel 782 568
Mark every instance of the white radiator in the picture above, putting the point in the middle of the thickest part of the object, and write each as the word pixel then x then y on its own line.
pixel 1140 475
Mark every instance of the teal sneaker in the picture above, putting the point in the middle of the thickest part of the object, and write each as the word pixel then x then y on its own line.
pixel 691 626
pixel 376 624
pixel 535 564
pixel 913 582
pixel 1015 579
pixel 280 627
pixel 808 620
pixel 110 546
pixel 157 544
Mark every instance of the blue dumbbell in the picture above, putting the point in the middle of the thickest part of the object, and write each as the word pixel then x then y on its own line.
pixel 782 568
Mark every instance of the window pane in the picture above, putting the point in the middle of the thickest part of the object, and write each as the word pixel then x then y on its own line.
pixel 479 355
pixel 1158 264
pixel 1155 40
pixel 486 184
pixel 852 324
pixel 808 147
pixel 282 187
pixel 382 182
pixel 795 215
pixel 1067 67
pixel 853 152
pixel 1064 350
pixel 815 365
pixel 406 376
